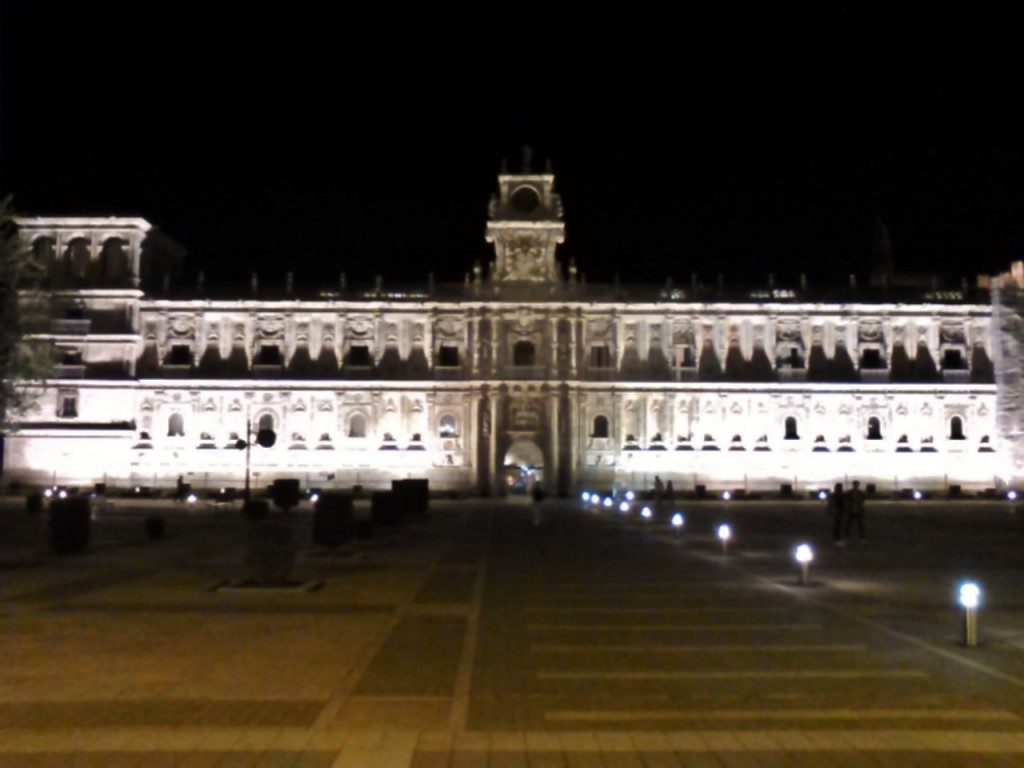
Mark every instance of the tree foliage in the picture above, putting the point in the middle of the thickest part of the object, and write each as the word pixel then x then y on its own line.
pixel 21 307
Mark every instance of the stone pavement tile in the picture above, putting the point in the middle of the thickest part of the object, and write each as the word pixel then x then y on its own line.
pixel 435 741
pixel 684 741
pixel 649 741
pixel 430 759
pixel 979 741
pixel 315 759
pixel 831 740
pixel 276 759
pixel 365 712
pixel 327 740
pixel 756 741
pixel 469 759
pixel 579 741
pixel 539 741
pixel 659 759
pixel 208 739
pixel 507 741
pixel 354 755
pixel 791 741
pixel 199 759
pixel 698 760
pixel 545 759
pixel 370 739
pixel 508 759
pixel 621 760
pixel 721 741
pixel 294 739
pixel 237 759
pixel 614 742
pixel 471 741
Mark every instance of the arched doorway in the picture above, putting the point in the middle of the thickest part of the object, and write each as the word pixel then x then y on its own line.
pixel 522 466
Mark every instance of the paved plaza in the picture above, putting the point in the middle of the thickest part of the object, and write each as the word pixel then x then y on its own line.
pixel 475 638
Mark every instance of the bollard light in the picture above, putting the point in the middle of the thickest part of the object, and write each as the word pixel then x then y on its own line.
pixel 678 520
pixel 62 494
pixel 585 496
pixel 724 533
pixel 623 506
pixel 595 499
pixel 970 598
pixel 314 498
pixel 646 513
pixel 917 495
pixel 48 493
pixel 804 555
pixel 1011 495
pixel 726 495
pixel 822 495
pixel 630 495
pixel 608 501
pixel 192 499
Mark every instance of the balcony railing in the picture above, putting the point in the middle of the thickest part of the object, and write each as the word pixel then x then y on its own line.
pixel 69 327
pixel 69 371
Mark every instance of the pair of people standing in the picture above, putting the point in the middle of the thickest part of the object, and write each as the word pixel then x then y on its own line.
pixel 847 510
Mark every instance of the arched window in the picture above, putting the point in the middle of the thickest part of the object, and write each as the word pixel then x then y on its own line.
pixel 956 428
pixel 266 422
pixel 114 261
pixel 176 425
pixel 874 428
pixel 448 427
pixel 791 433
pixel 523 353
pixel 357 426
pixel 600 428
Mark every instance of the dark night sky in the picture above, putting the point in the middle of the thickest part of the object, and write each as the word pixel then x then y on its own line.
pixel 321 141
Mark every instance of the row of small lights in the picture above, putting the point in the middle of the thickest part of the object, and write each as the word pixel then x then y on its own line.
pixel 969 593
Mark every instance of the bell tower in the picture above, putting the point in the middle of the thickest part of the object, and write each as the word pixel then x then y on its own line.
pixel 525 224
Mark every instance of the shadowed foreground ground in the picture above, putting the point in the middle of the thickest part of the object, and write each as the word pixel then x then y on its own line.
pixel 475 638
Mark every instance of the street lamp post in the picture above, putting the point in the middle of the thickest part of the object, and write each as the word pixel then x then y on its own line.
pixel 970 597
pixel 804 554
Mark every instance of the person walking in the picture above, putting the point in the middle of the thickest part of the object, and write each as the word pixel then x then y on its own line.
pixel 538 496
pixel 855 511
pixel 837 509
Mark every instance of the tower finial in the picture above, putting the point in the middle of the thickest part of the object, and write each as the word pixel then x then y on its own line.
pixel 527 158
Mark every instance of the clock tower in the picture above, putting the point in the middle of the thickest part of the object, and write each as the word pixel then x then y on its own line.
pixel 525 224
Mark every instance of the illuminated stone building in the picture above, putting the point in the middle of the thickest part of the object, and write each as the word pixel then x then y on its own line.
pixel 523 363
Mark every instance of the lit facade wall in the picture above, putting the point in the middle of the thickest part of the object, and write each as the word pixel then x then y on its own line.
pixel 610 384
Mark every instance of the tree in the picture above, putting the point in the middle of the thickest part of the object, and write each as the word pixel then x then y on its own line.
pixel 20 308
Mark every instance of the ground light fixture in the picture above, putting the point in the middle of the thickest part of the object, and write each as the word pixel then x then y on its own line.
pixel 970 598
pixel 192 499
pixel 917 495
pixel 630 495
pixel 646 513
pixel 314 498
pixel 608 501
pixel 726 495
pixel 585 496
pixel 623 506
pixel 724 534
pixel 803 554
pixel 1011 495
pixel 822 495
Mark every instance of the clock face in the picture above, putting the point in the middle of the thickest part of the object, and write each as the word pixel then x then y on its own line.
pixel 525 199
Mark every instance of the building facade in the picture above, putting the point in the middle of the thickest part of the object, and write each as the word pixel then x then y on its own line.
pixel 522 364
